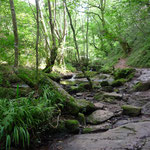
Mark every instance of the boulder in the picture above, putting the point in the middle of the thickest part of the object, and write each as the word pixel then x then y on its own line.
pixel 72 126
pixel 112 95
pixel 131 110
pixel 99 116
pixel 141 86
pixel 99 105
pixel 146 109
pixel 132 136
pixel 97 128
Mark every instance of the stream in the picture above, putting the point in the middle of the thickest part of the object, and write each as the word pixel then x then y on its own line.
pixel 118 132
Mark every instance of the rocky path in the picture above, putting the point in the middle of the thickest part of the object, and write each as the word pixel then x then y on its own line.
pixel 111 126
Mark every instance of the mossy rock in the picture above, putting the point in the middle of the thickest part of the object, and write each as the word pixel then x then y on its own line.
pixel 85 106
pixel 131 110
pixel 87 130
pixel 72 126
pixel 88 73
pixel 118 82
pixel 126 73
pixel 108 89
pixel 141 86
pixel 84 86
pixel 104 98
pixel 54 76
pixel 81 118
pixel 104 83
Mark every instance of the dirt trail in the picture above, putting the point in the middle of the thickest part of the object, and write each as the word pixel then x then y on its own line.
pixel 122 63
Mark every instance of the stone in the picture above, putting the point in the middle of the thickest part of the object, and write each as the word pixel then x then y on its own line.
pixel 142 86
pixel 112 95
pixel 72 126
pixel 97 128
pixel 146 109
pixel 99 105
pixel 132 136
pixel 85 106
pixel 131 110
pixel 99 116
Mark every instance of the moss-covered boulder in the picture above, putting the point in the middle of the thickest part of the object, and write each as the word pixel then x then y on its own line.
pixel 88 73
pixel 131 110
pixel 126 73
pixel 141 86
pixel 81 118
pixel 118 82
pixel 72 126
pixel 104 83
pixel 85 106
pixel 54 76
pixel 99 116
pixel 108 89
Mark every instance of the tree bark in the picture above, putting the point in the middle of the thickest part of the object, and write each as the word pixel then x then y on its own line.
pixel 15 30
pixel 77 48
pixel 37 36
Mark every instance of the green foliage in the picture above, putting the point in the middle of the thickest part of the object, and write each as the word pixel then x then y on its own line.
pixel 126 73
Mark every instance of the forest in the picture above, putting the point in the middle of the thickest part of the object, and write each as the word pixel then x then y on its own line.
pixel 74 74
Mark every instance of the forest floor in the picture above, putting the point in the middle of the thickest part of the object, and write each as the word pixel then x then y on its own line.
pixel 119 131
pixel 122 63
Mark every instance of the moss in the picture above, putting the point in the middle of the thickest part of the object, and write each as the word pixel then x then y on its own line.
pixel 104 83
pixel 108 89
pixel 126 73
pixel 103 98
pixel 131 110
pixel 71 107
pixel 141 86
pixel 81 118
pixel 72 126
pixel 87 130
pixel 85 106
pixel 88 73
pixel 54 76
pixel 118 82
pixel 75 89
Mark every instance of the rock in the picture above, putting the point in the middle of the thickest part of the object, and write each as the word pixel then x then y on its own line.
pixel 112 95
pixel 99 116
pixel 126 73
pixel 107 89
pixel 72 126
pixel 118 82
pixel 81 118
pixel 99 105
pixel 131 110
pixel 146 109
pixel 132 136
pixel 85 106
pixel 104 83
pixel 97 128
pixel 142 86
pixel 79 94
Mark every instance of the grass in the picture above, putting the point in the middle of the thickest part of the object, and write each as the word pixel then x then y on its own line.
pixel 21 118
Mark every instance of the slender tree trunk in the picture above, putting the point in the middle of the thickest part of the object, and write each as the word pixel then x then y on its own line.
pixel 14 21
pixel 77 48
pixel 53 55
pixel 87 42
pixel 37 36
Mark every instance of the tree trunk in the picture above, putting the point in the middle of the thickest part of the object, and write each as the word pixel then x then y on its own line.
pixel 14 21
pixel 77 48
pixel 37 36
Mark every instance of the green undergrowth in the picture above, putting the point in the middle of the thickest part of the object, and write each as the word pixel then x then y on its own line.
pixel 140 56
pixel 21 118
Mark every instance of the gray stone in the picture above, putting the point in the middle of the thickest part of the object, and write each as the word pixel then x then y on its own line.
pixel 99 105
pixel 112 95
pixel 146 109
pixel 97 128
pixel 99 116
pixel 132 136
